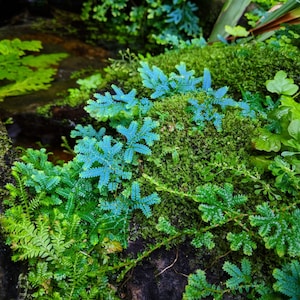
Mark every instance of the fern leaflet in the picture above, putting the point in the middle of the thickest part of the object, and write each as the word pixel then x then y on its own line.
pixel 288 280
pixel 134 136
pixel 214 210
pixel 238 275
pixel 198 288
pixel 280 231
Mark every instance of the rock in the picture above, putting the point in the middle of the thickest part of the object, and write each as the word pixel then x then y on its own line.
pixel 6 156
pixel 9 271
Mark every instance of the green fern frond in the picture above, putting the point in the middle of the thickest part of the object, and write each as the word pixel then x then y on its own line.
pixel 165 226
pixel 18 194
pixel 43 61
pixel 219 203
pixel 198 288
pixel 238 275
pixel 73 226
pixel 288 280
pixel 25 73
pixel 279 229
pixel 241 240
pixel 203 239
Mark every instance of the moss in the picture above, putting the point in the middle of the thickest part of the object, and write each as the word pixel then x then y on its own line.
pixel 185 158
pixel 6 156
pixel 239 67
pixel 6 160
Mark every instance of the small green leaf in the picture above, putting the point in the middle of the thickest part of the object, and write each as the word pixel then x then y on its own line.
pixel 289 103
pixel 238 275
pixel 241 240
pixel 267 141
pixel 236 31
pixel 281 84
pixel 294 130
pixel 165 226
pixel 288 279
pixel 203 239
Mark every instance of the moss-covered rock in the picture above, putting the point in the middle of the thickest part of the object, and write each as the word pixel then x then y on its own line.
pixel 185 158
pixel 240 67
pixel 6 156
pixel 8 273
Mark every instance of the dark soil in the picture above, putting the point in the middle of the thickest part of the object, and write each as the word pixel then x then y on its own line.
pixel 162 276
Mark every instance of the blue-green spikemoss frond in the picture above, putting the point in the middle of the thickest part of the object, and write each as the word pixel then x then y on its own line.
pixel 102 159
pixel 87 131
pixel 128 202
pixel 214 104
pixel 142 203
pixel 135 135
pixel 118 108
pixel 155 79
pixel 184 81
pixel 111 106
pixel 181 15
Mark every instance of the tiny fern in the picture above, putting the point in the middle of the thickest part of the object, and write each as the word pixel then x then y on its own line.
pixel 119 108
pixel 126 204
pixel 105 163
pixel 288 280
pixel 279 229
pixel 208 110
pixel 240 280
pixel 154 78
pixel 199 288
pixel 135 135
pixel 238 275
pixel 241 241
pixel 218 204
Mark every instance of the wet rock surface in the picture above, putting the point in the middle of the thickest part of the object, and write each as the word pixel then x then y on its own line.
pixel 82 56
pixel 9 271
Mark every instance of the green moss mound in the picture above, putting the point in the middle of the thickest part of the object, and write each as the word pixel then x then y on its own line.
pixel 240 67
pixel 186 158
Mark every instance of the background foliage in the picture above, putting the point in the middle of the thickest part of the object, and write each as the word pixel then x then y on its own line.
pixel 20 73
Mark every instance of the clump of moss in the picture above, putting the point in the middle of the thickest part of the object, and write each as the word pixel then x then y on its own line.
pixel 240 67
pixel 186 157
pixel 6 160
